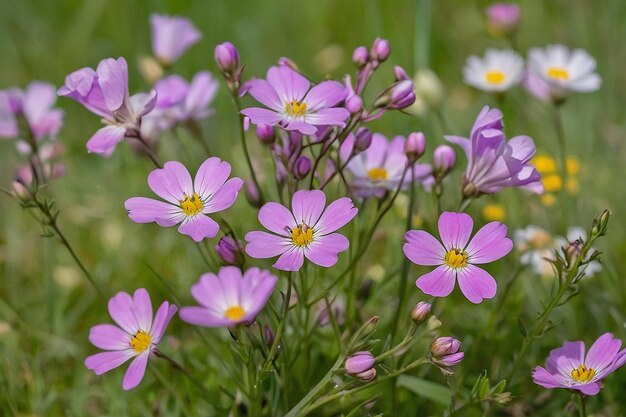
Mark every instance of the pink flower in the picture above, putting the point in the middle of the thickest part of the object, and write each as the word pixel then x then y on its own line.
pixel 172 36
pixel 456 258
pixel 135 336
pixel 569 367
pixel 293 104
pixel 304 231
pixel 230 297
pixel 503 17
pixel 187 203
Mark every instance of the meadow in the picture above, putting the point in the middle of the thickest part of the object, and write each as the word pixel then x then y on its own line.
pixel 344 331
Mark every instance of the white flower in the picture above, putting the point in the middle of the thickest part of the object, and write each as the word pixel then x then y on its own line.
pixel 498 71
pixel 537 247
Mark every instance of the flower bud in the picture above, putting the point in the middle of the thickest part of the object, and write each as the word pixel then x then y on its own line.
pixel 360 56
pixel 246 123
pixel 229 251
pixel 444 158
pixel 150 69
pixel 252 194
pixel 600 224
pixel 503 18
pixel 268 335
pixel 415 146
pixel 420 312
pixel 380 50
pixel 20 191
pixel 227 58
pixel 302 167
pixel 353 102
pixel 363 139
pixel 368 375
pixel 359 363
pixel 283 61
pixel 400 74
pixel 265 133
pixel 444 352
pixel 397 97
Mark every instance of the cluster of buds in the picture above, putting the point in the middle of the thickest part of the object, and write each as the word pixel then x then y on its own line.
pixel 398 96
pixel 227 60
pixel 445 353
pixel 361 365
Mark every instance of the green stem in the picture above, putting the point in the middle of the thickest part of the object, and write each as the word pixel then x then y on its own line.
pixel 244 144
pixel 182 369
pixel 560 133
pixel 583 404
pixel 281 327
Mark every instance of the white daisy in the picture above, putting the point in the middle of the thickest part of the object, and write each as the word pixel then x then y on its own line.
pixel 498 71
pixel 536 246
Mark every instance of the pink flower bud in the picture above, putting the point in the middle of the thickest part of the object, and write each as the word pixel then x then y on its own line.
pixel 265 133
pixel 400 74
pixel 359 362
pixel 354 104
pixel 503 18
pixel 229 251
pixel 363 139
pixel 227 58
pixel 380 50
pixel 252 194
pixel 20 191
pixel 360 56
pixel 444 346
pixel 444 158
pixel 268 335
pixel 415 145
pixel 302 168
pixel 368 375
pixel 420 312
pixel 283 61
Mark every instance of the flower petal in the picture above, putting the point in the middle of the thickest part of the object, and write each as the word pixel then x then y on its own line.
pixel 172 182
pixel 325 94
pixel 122 311
pixel 489 243
pixel 275 217
pixel 265 94
pixel 106 139
pixel 337 214
pixel 211 175
pixel 545 379
pixel 289 85
pixel 259 115
pixel 148 210
pixel 438 283
pixel 224 197
pixel 455 229
pixel 201 316
pixel 602 353
pixel 292 260
pixel 476 283
pixel 307 206
pixel 324 250
pixel 109 337
pixel 136 370
pixel 333 116
pixel 161 319
pixel 422 248
pixel 105 361
pixel 143 309
pixel 265 245
pixel 199 227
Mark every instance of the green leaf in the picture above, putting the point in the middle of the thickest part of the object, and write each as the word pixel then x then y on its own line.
pixel 435 392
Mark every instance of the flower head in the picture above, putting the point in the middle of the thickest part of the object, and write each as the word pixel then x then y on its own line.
pixel 104 92
pixel 188 203
pixel 503 17
pixel 571 368
pixel 230 297
pixel 361 365
pixel 304 231
pixel 536 246
pixel 555 70
pixel 136 335
pixel 293 104
pixel 456 259
pixel 172 36
pixel 445 352
pixel 498 71
pixel 493 162
pixel 381 166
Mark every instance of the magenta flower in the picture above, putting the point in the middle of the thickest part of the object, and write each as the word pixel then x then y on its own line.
pixel 172 36
pixel 381 166
pixel 135 336
pixel 293 104
pixel 445 352
pixel 187 203
pixel 104 92
pixel 456 259
pixel 569 367
pixel 304 231
pixel 503 17
pixel 493 162
pixel 229 298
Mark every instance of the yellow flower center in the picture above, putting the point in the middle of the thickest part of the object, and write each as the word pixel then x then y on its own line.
pixel 583 374
pixel 494 212
pixel 552 182
pixel 377 174
pixel 495 77
pixel 544 164
pixel 141 341
pixel 558 73
pixel 295 108
pixel 191 205
pixel 572 166
pixel 456 258
pixel 234 313
pixel 302 235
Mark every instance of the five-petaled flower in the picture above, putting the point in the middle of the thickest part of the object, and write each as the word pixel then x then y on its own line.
pixel 304 231
pixel 456 259
pixel 188 203
pixel 135 336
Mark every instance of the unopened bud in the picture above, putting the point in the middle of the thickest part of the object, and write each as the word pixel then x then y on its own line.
pixel 283 61
pixel 360 56
pixel 252 194
pixel 227 58
pixel 380 50
pixel 444 158
pixel 20 191
pixel 229 251
pixel 600 224
pixel 363 139
pixel 265 133
pixel 268 335
pixel 302 168
pixel 150 69
pixel 415 146
pixel 420 312
pixel 368 375
pixel 397 97
pixel 444 346
pixel 359 362
pixel 400 74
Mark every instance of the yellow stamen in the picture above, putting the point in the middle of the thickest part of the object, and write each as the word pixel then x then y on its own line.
pixel 302 235
pixel 583 374
pixel 191 205
pixel 377 174
pixel 295 108
pixel 495 77
pixel 456 258
pixel 552 182
pixel 234 313
pixel 141 341
pixel 558 73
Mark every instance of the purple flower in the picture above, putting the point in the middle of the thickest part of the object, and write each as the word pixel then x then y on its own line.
pixel 187 203
pixel 569 367
pixel 105 92
pixel 381 166
pixel 493 162
pixel 456 259
pixel 304 231
pixel 293 104
pixel 135 336
pixel 503 17
pixel 172 36
pixel 229 298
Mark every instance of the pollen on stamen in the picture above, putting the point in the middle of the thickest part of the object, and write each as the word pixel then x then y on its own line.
pixel 456 258
pixel 141 341
pixel 191 205
pixel 295 108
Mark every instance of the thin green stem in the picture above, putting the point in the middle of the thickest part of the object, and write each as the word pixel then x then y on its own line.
pixel 583 405
pixel 182 369
pixel 281 327
pixel 560 134
pixel 244 144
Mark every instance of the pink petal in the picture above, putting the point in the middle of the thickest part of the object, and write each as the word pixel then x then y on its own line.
pixel 289 85
pixel 301 126
pixel 337 214
pixel 325 94
pixel 143 309
pixel 324 251
pixel 211 175
pixel 113 80
pixel 292 260
pixel 122 311
pixel 602 353
pixel 172 182
pixel 574 352
pixel 106 139
pixel 147 210
pixel 161 319
pixel 334 116
pixel 265 245
pixel 224 197
pixel 199 227
pixel 438 283
pixel 136 370
pixel 423 249
pixel 265 94
pixel 201 316
pixel 489 243
pixel 592 388
pixel 274 217
pixel 455 229
pixel 545 379
pixel 307 206
pixel 207 291
pixel 259 115
pixel 476 283
pixel 105 361
pixel 109 337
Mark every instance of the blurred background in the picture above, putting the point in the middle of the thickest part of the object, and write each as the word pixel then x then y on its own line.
pixel 46 307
